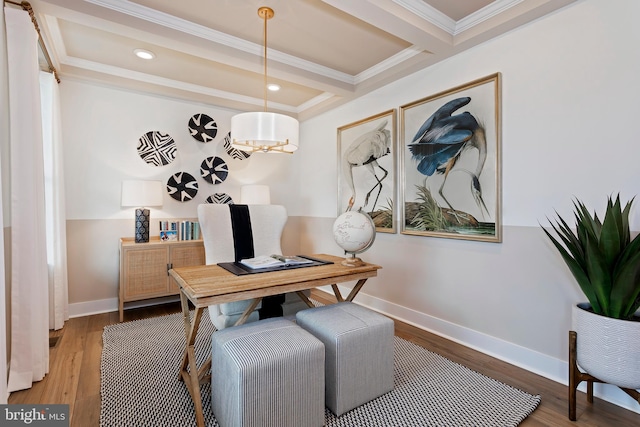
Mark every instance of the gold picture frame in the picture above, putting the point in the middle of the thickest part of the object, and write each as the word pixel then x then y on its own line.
pixel 367 169
pixel 451 163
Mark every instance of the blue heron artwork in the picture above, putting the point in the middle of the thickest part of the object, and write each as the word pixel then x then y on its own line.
pixel 441 140
pixel 451 185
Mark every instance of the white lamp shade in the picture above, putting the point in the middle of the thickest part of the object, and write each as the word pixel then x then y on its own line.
pixel 255 195
pixel 263 131
pixel 141 193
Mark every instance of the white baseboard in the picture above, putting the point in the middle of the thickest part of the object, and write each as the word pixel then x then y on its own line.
pixel 111 304
pixel 538 363
pixel 89 308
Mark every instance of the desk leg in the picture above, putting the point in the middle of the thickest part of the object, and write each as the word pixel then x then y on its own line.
pixel 336 292
pixel 248 311
pixel 304 298
pixel 356 289
pixel 191 377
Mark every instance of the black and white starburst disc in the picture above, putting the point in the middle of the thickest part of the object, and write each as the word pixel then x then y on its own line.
pixel 220 198
pixel 157 148
pixel 203 128
pixel 214 170
pixel 234 152
pixel 182 186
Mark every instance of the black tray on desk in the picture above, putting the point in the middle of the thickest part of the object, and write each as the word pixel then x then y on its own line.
pixel 240 269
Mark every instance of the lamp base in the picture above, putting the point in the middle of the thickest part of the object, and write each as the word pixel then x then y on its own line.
pixel 142 225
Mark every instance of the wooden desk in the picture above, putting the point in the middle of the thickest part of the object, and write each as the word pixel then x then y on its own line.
pixel 210 284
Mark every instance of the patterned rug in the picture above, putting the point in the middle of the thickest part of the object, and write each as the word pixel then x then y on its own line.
pixel 139 385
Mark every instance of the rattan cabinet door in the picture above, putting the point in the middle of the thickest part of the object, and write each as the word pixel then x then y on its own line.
pixel 185 255
pixel 144 267
pixel 145 272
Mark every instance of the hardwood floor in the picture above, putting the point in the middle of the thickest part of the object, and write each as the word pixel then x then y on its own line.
pixel 74 374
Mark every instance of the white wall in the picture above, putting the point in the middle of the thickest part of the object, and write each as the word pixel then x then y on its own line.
pixel 569 107
pixel 101 127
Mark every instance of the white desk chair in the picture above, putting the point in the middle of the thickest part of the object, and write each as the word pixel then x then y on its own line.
pixel 234 232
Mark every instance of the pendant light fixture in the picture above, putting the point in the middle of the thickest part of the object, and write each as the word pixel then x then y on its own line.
pixel 264 131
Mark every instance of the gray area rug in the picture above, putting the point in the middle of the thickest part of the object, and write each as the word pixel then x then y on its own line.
pixel 139 385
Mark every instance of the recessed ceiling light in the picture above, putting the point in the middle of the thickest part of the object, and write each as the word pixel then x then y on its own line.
pixel 144 54
pixel 273 87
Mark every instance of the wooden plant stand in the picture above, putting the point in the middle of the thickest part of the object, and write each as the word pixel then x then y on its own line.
pixel 576 377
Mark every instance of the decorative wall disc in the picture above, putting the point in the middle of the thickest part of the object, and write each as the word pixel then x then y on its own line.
pixel 203 128
pixel 214 170
pixel 234 152
pixel 182 186
pixel 157 148
pixel 220 198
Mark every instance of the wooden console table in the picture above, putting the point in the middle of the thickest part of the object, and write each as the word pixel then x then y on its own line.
pixel 144 267
pixel 210 284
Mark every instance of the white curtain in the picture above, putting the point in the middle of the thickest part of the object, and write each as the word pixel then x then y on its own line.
pixel 54 202
pixel 4 161
pixel 29 275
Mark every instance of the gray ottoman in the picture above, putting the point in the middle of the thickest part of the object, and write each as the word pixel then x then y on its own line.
pixel 267 373
pixel 358 352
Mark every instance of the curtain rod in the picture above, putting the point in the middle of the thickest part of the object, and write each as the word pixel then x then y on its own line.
pixel 27 6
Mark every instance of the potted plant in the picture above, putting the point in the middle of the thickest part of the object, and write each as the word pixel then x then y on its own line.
pixel 605 262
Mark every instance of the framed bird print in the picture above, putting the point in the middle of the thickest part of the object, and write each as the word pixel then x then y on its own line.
pixel 450 160
pixel 366 169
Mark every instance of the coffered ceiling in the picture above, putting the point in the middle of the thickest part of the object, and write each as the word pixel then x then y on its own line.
pixel 321 52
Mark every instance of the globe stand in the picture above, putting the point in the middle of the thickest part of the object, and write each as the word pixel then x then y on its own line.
pixel 352 261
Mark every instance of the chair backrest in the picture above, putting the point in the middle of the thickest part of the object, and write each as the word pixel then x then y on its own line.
pixel 230 232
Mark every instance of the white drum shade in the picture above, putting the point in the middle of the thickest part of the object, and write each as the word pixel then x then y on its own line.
pixel 264 131
pixel 138 193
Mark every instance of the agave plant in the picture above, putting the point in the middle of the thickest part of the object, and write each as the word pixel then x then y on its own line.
pixel 602 258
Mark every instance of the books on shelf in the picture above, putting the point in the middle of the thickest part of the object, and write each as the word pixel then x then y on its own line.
pixel 179 230
pixel 269 261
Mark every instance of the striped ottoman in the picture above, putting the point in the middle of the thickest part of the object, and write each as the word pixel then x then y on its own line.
pixel 358 352
pixel 267 373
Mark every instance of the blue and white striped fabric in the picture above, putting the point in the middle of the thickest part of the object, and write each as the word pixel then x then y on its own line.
pixel 268 373
pixel 358 352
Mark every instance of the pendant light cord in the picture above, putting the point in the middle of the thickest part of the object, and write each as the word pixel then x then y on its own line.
pixel 266 17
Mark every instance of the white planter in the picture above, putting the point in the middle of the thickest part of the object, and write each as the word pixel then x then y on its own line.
pixel 608 349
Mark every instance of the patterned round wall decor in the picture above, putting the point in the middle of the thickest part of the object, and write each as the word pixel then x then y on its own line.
pixel 182 186
pixel 234 152
pixel 203 128
pixel 157 148
pixel 214 170
pixel 220 198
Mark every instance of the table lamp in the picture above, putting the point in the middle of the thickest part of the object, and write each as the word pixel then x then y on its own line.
pixel 141 194
pixel 255 195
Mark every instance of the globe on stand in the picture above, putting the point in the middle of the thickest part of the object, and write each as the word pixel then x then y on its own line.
pixel 354 232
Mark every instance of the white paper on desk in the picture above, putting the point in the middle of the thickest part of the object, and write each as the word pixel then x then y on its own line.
pixel 267 261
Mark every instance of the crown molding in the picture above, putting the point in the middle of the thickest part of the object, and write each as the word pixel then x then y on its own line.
pixel 170 83
pixel 484 14
pixel 387 64
pixel 429 14
pixel 168 21
pixel 314 101
pixel 439 19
